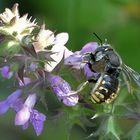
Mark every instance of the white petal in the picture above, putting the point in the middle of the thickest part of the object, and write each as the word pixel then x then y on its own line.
pixel 59 52
pixel 57 57
pixel 44 39
pixel 61 38
pixel 47 36
pixel 67 52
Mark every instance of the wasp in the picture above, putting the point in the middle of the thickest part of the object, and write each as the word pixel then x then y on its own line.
pixel 107 62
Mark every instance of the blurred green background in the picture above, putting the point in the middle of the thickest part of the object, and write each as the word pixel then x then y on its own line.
pixel 116 20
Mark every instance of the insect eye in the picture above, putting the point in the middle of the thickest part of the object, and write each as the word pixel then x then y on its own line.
pixel 99 56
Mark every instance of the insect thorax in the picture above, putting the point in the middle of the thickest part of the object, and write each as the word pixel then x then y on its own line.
pixel 105 60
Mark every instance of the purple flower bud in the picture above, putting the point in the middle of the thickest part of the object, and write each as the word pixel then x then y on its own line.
pixel 23 115
pixel 71 100
pixel 6 73
pixel 11 99
pixel 87 71
pixel 37 119
pixel 26 114
pixel 3 107
pixel 75 60
pixel 89 47
pixel 33 66
pixel 61 88
pixel 25 126
pixel 14 96
pixel 17 105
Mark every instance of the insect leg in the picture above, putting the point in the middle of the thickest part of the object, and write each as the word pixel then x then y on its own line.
pixel 80 88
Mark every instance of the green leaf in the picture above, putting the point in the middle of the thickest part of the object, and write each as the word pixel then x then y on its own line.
pixel 134 133
pixel 107 129
pixel 111 128
pixel 126 111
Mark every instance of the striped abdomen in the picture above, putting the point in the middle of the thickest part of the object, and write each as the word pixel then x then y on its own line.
pixel 105 90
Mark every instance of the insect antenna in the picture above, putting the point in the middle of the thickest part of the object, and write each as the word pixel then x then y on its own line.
pixel 98 38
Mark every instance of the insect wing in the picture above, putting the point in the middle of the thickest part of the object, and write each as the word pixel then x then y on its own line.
pixel 132 73
pixel 127 80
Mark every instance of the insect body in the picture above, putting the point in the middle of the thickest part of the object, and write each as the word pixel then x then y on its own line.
pixel 105 61
pixel 109 64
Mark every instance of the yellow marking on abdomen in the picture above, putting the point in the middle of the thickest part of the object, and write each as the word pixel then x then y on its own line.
pixel 95 98
pixel 113 95
pixel 108 101
pixel 106 90
pixel 99 94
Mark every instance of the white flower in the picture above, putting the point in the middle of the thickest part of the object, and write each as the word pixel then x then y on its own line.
pixel 15 25
pixel 47 38
pixel 59 50
pixel 8 15
pixel 44 38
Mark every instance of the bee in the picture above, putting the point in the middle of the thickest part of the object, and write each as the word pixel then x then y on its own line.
pixel 107 62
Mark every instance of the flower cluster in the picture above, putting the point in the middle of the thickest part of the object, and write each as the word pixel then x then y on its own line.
pixel 34 59
pixel 25 112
